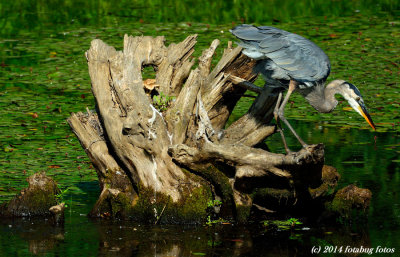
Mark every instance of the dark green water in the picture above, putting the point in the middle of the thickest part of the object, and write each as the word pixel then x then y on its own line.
pixel 44 77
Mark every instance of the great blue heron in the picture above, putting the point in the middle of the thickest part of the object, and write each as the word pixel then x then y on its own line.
pixel 289 61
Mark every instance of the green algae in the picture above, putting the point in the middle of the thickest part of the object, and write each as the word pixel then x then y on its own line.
pixel 221 186
pixel 242 213
pixel 32 31
pixel 152 207
pixel 35 200
pixel 43 82
pixel 350 204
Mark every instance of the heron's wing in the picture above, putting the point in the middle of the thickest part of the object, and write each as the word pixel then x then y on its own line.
pixel 299 58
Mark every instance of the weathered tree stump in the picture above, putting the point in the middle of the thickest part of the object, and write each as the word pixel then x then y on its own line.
pixel 166 165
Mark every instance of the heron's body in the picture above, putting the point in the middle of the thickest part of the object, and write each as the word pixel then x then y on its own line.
pixel 289 61
pixel 284 56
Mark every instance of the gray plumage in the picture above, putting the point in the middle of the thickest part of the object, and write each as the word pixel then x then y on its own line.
pixel 283 56
pixel 289 61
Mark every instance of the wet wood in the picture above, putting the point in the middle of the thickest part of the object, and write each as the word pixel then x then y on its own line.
pixel 57 212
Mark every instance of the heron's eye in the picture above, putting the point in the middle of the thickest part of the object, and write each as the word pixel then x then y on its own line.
pixel 358 98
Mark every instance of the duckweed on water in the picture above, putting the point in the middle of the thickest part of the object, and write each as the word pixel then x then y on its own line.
pixel 44 77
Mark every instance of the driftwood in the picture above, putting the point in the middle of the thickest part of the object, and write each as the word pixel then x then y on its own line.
pixel 167 164
pixel 57 212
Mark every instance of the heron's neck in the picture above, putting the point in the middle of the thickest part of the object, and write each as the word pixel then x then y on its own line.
pixel 323 98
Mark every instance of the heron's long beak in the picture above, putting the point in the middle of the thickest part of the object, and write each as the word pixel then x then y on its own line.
pixel 363 111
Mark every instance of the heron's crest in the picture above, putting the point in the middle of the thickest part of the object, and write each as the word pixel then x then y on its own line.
pixel 353 88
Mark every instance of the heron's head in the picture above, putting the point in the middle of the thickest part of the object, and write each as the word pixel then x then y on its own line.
pixel 354 97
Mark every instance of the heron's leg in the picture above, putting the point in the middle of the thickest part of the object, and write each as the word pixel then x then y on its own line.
pixel 281 111
pixel 278 102
pixel 278 123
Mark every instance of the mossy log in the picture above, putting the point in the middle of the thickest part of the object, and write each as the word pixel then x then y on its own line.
pixel 35 200
pixel 165 165
pixel 349 203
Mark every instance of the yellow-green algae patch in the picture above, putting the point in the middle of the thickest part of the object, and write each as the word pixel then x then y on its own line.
pixel 152 206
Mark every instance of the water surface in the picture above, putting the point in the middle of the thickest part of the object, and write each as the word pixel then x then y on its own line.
pixel 44 77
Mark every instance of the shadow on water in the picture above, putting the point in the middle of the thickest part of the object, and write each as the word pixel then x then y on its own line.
pixel 88 186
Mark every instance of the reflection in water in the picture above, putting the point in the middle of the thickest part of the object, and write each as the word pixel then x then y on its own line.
pixel 369 164
pixel 44 244
pixel 41 235
pixel 42 56
pixel 129 239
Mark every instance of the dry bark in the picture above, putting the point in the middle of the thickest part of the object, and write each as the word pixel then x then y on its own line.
pixel 183 154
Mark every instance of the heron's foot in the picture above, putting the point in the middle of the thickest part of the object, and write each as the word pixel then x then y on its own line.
pixel 289 152
pixel 305 146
